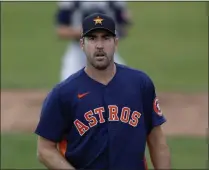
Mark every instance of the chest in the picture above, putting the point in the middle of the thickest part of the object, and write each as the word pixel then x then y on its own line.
pixel 118 104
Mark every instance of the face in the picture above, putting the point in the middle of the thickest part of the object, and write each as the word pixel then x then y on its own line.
pixel 99 47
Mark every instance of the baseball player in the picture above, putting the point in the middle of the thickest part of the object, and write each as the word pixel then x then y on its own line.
pixel 68 19
pixel 102 116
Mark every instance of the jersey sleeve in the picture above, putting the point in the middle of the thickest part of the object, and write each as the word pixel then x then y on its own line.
pixel 64 12
pixel 152 111
pixel 52 123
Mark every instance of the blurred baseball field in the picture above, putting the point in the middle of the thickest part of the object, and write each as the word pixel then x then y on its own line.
pixel 168 40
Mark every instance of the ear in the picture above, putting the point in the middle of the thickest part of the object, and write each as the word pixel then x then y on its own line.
pixel 82 43
pixel 116 42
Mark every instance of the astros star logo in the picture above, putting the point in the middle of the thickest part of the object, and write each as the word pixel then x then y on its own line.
pixel 98 20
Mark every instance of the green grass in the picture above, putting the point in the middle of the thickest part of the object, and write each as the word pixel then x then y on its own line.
pixel 19 151
pixel 31 51
pixel 168 40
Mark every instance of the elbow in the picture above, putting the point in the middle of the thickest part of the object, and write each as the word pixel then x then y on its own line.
pixel 40 155
pixel 43 154
pixel 45 150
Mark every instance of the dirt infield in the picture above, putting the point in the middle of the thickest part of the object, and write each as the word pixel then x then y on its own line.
pixel 187 114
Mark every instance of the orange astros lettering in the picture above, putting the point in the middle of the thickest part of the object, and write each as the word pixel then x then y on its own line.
pixel 125 114
pixel 90 118
pixel 100 111
pixel 80 127
pixel 135 118
pixel 113 113
pixel 95 116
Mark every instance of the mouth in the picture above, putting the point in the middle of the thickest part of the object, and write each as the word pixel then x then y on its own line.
pixel 100 56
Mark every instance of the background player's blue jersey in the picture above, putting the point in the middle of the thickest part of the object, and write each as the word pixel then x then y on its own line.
pixel 104 126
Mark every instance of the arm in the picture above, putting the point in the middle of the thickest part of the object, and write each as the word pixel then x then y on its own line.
pixel 49 155
pixel 64 28
pixel 158 148
pixel 51 130
pixel 68 32
pixel 154 118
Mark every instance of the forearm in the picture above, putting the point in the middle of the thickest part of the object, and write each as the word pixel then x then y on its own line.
pixel 160 157
pixel 52 159
pixel 66 32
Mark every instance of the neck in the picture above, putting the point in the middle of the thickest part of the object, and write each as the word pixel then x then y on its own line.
pixel 102 76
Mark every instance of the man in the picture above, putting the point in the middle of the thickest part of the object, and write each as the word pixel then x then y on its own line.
pixel 102 116
pixel 69 16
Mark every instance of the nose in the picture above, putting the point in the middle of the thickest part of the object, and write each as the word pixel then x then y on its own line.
pixel 99 45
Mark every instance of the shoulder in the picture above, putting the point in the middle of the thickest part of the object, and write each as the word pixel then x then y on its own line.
pixel 141 80
pixel 69 85
pixel 134 73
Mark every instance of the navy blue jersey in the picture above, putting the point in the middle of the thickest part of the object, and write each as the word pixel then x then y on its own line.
pixel 102 126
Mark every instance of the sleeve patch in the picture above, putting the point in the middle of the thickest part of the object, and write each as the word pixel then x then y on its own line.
pixel 156 107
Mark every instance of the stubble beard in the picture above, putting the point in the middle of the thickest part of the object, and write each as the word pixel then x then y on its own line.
pixel 102 65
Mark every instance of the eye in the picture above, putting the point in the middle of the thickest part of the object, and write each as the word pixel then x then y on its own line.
pixel 91 38
pixel 107 37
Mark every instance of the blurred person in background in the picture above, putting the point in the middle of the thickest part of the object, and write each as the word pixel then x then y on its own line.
pixel 68 26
